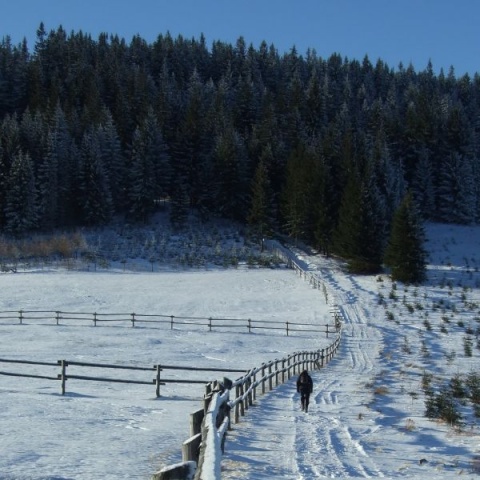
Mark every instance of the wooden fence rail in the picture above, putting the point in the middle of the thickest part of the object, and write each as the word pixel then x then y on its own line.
pixel 63 376
pixel 153 320
pixel 201 453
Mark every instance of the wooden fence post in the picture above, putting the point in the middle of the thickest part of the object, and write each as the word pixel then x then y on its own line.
pixel 171 322
pixel 63 375
pixel 249 326
pixel 157 381
pixel 20 316
pixel 210 324
pixel 57 317
pixel 242 403
pixel 196 419
pixel 237 406
pixel 95 319
pixel 133 319
pixel 270 382
pixel 283 370
pixel 263 379
pixel 287 328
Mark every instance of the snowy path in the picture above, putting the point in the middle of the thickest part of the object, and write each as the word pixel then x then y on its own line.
pixel 338 435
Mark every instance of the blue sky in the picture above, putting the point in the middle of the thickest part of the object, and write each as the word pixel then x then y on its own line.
pixel 446 32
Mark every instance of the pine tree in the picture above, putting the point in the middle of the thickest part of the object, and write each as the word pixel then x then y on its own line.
pixel 405 254
pixel 358 237
pixel 157 152
pixel 347 241
pixel 324 207
pixel 229 189
pixel 423 185
pixel 179 206
pixel 20 201
pixel 95 199
pixel 61 145
pixel 113 161
pixel 456 191
pixel 260 214
pixel 48 186
pixel 300 195
pixel 141 179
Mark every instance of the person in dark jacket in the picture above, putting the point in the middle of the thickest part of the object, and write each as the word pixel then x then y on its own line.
pixel 305 388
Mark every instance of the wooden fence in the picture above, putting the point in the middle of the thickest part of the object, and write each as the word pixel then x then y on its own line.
pixel 64 375
pixel 166 321
pixel 202 451
pixel 289 259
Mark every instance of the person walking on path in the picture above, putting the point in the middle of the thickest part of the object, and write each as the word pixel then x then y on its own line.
pixel 305 388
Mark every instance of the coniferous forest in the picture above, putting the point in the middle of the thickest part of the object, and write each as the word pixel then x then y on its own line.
pixel 324 150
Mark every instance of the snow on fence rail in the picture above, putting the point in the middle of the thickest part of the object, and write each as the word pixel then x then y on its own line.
pixel 202 451
pixel 168 321
pixel 63 376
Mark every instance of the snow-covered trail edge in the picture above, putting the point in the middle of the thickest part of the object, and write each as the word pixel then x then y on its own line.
pixel 331 440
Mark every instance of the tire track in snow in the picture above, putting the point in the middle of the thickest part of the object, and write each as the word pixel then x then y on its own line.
pixel 332 441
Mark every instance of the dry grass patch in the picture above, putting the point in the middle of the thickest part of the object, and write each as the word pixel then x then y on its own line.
pixel 381 390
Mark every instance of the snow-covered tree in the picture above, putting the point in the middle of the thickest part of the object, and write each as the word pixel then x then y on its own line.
pixel 20 201
pixel 456 190
pixel 95 201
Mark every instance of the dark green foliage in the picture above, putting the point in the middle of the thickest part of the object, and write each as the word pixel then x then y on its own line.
pixel 405 254
pixel 260 215
pixel 173 120
pixel 457 387
pixel 298 194
pixel 20 200
pixel 359 237
pixel 468 346
pixel 473 386
pixel 94 199
pixel 443 406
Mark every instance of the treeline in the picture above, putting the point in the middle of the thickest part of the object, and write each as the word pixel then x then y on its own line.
pixel 323 150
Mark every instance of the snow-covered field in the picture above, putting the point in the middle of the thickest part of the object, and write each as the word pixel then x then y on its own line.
pixel 367 411
pixel 113 431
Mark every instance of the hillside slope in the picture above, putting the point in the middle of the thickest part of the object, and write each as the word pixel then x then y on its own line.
pixel 367 415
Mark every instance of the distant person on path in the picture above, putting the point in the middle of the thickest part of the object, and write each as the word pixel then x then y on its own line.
pixel 305 388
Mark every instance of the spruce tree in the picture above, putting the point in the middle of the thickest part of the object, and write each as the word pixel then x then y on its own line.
pixel 113 161
pixel 20 201
pixel 346 237
pixel 358 237
pixel 405 254
pixel 297 195
pixel 260 215
pixel 48 185
pixel 141 178
pixel 95 200
pixel 229 187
